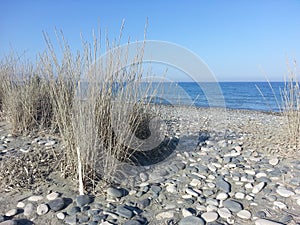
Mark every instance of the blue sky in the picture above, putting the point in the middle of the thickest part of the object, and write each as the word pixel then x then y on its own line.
pixel 239 40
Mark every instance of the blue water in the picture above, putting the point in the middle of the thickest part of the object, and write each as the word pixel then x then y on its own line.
pixel 234 95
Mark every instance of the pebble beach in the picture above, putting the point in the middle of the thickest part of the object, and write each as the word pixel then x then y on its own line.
pixel 229 167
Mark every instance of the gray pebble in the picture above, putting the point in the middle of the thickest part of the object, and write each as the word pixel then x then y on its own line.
pixel 56 204
pixel 124 212
pixel 114 192
pixel 82 200
pixel 132 222
pixel 83 218
pixel 71 219
pixel 191 220
pixel 143 203
pixel 73 210
pixel 9 222
pixel 232 205
pixel 223 185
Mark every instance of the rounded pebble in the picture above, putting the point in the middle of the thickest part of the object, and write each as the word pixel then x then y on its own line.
pixel 42 209
pixel 210 216
pixel 244 214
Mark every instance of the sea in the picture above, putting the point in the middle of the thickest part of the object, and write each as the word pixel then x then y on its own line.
pixel 259 96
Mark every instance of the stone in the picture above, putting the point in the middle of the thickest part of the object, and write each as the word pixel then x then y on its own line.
pixel 60 216
pixel 71 219
pixel 191 220
pixel 29 209
pixel 280 205
pixel 284 192
pixel 52 196
pixel 298 201
pixel 21 205
pixel 186 212
pixel 83 219
pixel 224 213
pixel 11 212
pixel 257 188
pixel 124 212
pixel 222 196
pixel 83 200
pixel 261 214
pixel 9 222
pixel 73 210
pixel 42 209
pixel 165 215
pixel 191 192
pixel 50 143
pixel 114 192
pixel 195 183
pixel 132 222
pixel 35 198
pixel 210 216
pixel 223 185
pixel 56 204
pixel 239 195
pixel 266 222
pixel 244 214
pixel 106 223
pixel 232 205
pixel 171 188
pixel 274 161
pixel 143 203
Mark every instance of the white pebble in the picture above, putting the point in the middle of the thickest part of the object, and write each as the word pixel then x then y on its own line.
pixel 250 172
pixel 186 213
pixel 11 212
pixel 195 183
pixel 261 174
pixel 165 215
pixel 274 161
pixel 52 196
pixel 298 201
pixel 222 196
pixel 20 205
pixel 239 195
pixel 280 205
pixel 191 192
pixel 171 188
pixel 284 192
pixel 248 186
pixel 50 143
pixel 224 213
pixel 244 214
pixel 257 188
pixel 35 198
pixel 210 216
pixel 60 216
pixel 42 209
pixel 211 185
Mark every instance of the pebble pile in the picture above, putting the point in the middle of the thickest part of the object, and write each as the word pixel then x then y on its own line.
pixel 220 182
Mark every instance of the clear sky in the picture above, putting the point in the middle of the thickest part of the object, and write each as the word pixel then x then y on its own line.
pixel 239 40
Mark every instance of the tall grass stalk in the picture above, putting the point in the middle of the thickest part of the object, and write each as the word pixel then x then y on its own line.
pixel 291 106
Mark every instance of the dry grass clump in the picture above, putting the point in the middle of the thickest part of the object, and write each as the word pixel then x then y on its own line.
pixel 291 107
pixel 95 104
pixel 25 97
